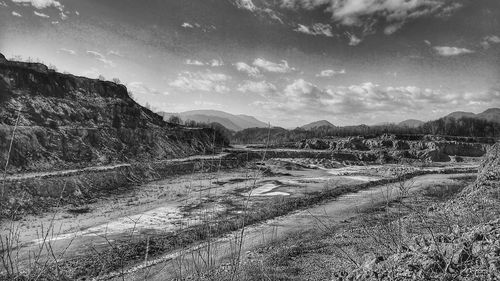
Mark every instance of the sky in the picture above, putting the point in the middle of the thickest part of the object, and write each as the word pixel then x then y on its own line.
pixel 287 62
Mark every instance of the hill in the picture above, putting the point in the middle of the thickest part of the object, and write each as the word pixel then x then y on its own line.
pixel 492 115
pixel 230 121
pixel 317 124
pixel 64 121
pixel 411 123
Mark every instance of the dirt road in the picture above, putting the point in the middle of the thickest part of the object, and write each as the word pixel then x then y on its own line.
pixel 220 251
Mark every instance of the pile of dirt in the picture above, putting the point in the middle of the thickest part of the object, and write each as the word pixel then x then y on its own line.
pixel 62 121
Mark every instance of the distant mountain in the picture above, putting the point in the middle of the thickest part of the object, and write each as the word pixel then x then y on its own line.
pixel 230 121
pixel 321 123
pixel 460 114
pixel 492 115
pixel 411 123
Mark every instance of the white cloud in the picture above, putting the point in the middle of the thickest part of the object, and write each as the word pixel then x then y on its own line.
pixel 40 4
pixel 187 25
pixel 316 29
pixel 42 15
pixel 263 88
pixel 451 51
pixel 67 51
pixel 212 63
pixel 302 98
pixel 16 14
pixel 330 73
pixel 250 70
pixel 353 39
pixel 194 62
pixel 246 5
pixel 101 58
pixel 115 53
pixel 269 66
pixel 216 63
pixel 3 4
pixel 140 89
pixel 364 13
pixel 489 40
pixel 201 81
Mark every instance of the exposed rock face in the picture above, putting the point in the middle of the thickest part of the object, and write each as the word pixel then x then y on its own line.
pixel 64 121
pixel 426 148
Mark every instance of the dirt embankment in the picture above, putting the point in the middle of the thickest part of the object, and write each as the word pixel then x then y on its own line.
pixel 391 148
pixel 36 192
pixel 60 121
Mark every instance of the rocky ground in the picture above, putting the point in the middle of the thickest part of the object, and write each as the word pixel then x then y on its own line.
pixel 447 232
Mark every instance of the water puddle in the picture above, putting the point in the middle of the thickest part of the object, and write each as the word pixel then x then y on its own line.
pixel 266 190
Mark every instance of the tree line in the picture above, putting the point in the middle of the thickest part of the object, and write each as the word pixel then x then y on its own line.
pixel 463 127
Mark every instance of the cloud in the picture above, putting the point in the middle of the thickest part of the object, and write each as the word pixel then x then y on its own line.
pixel 365 13
pixel 3 4
pixel 41 4
pixel 140 89
pixel 216 62
pixel 269 66
pixel 451 51
pixel 101 58
pixel 330 73
pixel 302 98
pixel 67 51
pixel 249 70
pixel 42 15
pixel 115 53
pixel 201 81
pixel 16 14
pixel 262 88
pixel 246 5
pixel 187 25
pixel 263 12
pixel 212 63
pixel 194 62
pixel 316 29
pixel 489 40
pixel 353 39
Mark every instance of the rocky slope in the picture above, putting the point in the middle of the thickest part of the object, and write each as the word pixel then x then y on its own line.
pixel 63 121
pixel 467 248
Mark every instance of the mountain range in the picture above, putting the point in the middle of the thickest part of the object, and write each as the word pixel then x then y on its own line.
pixel 492 115
pixel 230 121
pixel 240 122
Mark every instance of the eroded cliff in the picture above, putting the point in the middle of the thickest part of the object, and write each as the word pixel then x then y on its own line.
pixel 63 121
